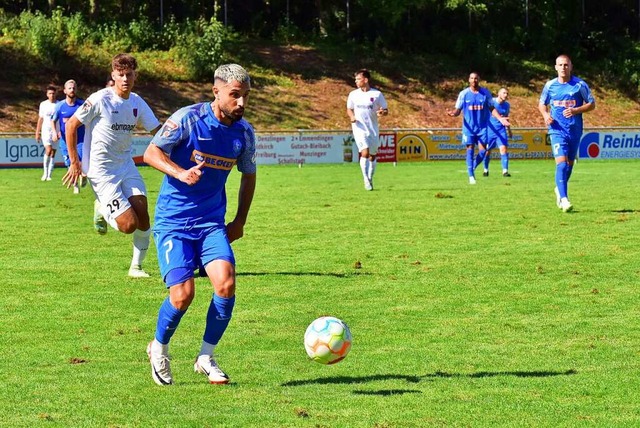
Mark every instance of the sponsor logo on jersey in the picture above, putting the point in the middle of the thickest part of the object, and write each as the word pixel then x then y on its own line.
pixel 213 161
pixel 168 128
pixel 564 103
pixel 476 107
pixel 123 127
pixel 614 145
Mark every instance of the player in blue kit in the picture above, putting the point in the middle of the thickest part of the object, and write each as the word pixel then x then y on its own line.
pixel 497 134
pixel 567 97
pixel 475 104
pixel 196 148
pixel 63 112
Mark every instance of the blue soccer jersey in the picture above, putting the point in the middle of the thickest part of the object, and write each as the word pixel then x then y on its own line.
pixel 560 96
pixel 192 135
pixel 496 131
pixel 476 109
pixel 63 113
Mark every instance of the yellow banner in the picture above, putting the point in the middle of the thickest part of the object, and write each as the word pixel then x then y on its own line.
pixel 447 145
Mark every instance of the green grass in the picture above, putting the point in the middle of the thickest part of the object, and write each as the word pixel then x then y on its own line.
pixel 474 306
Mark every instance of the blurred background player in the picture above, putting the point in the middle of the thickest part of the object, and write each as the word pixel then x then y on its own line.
pixel 567 97
pixel 364 105
pixel 109 82
pixel 497 134
pixel 196 149
pixel 44 132
pixel 475 104
pixel 111 115
pixel 63 112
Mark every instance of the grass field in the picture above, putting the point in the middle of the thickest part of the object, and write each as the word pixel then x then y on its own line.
pixel 473 306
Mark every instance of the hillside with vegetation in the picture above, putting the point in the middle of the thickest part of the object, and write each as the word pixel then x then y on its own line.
pixel 300 80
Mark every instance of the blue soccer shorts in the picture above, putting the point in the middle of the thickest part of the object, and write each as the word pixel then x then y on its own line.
pixel 181 252
pixel 565 145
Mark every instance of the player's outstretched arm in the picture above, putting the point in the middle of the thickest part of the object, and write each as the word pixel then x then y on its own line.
pixel 154 156
pixel 235 229
pixel 75 168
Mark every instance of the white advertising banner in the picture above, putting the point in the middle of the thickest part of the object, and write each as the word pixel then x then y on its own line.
pixel 279 149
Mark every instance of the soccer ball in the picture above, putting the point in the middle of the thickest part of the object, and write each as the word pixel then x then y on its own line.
pixel 327 340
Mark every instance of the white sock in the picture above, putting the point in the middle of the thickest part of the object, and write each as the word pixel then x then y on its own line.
pixel 159 348
pixel 364 166
pixel 372 168
pixel 207 348
pixel 45 164
pixel 52 163
pixel 140 246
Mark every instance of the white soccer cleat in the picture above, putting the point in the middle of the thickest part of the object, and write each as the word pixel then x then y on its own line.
pixel 44 177
pixel 368 185
pixel 557 192
pixel 565 205
pixel 206 365
pixel 136 271
pixel 160 367
pixel 99 223
pixel 48 178
pixel 76 190
pixel 472 180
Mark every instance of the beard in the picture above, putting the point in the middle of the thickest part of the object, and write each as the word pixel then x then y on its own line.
pixel 231 115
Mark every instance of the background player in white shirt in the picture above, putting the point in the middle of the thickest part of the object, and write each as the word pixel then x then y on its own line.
pixel 364 106
pixel 44 132
pixel 111 115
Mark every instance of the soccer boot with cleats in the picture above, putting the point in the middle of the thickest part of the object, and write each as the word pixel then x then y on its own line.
pixel 207 365
pixel 135 271
pixel 160 367
pixel 99 222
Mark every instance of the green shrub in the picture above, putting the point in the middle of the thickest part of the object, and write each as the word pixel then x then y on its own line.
pixel 202 48
pixel 44 36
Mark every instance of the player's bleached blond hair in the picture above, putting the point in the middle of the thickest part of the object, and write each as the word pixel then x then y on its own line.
pixel 70 82
pixel 232 72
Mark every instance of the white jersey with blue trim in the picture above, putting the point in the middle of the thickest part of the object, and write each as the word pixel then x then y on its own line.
pixel 193 135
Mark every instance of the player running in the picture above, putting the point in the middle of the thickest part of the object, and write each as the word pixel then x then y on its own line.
pixel 497 134
pixel 44 132
pixel 111 115
pixel 567 97
pixel 364 105
pixel 64 110
pixel 196 149
pixel 475 104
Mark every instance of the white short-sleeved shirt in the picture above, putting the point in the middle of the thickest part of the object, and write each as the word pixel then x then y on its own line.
pixel 110 121
pixel 365 105
pixel 45 112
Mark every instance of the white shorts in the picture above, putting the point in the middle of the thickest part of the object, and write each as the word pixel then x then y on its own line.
pixel 50 142
pixel 114 191
pixel 364 141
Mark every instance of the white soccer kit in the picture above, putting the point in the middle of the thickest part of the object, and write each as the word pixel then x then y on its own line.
pixel 365 105
pixel 107 159
pixel 45 111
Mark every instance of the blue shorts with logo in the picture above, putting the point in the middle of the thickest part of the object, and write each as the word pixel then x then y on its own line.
pixel 565 145
pixel 182 252
pixel 473 139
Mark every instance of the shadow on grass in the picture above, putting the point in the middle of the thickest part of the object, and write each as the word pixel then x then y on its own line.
pixel 417 379
pixel 335 275
pixel 387 392
pixel 626 210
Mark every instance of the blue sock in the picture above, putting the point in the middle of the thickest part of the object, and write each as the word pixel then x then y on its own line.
pixel 487 158
pixel 218 318
pixel 569 171
pixel 168 319
pixel 504 159
pixel 470 167
pixel 561 179
pixel 480 157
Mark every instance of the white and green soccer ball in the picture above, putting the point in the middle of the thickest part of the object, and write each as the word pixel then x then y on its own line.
pixel 327 340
